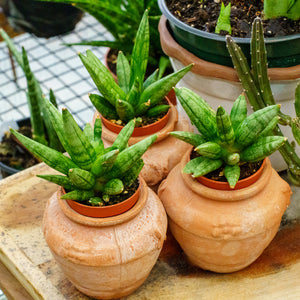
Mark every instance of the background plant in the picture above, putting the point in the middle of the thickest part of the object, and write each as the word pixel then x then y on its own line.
pixel 122 18
pixel 39 116
pixel 282 8
pixel 227 140
pixel 258 90
pixel 131 96
pixel 92 173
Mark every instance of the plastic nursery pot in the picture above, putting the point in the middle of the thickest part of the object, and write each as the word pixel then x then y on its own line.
pixel 223 231
pixel 243 183
pixel 106 258
pixel 282 51
pixel 105 211
pixel 171 95
pixel 42 19
pixel 140 131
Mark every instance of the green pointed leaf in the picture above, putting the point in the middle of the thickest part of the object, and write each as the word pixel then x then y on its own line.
pixel 232 174
pixel 123 72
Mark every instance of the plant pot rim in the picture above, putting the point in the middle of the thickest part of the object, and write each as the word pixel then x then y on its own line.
pixel 205 68
pixel 140 131
pixel 243 183
pixel 226 195
pixel 127 214
pixel 166 12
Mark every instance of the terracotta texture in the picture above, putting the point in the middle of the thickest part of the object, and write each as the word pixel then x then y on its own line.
pixel 223 231
pixel 106 258
pixel 164 154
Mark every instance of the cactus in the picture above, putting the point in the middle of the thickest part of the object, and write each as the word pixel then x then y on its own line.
pixel 92 174
pixel 226 140
pixel 132 97
pixel 38 113
pixel 257 88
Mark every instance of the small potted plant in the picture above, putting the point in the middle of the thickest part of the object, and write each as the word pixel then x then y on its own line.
pixel 213 80
pixel 103 222
pixel 13 157
pixel 225 226
pixel 146 101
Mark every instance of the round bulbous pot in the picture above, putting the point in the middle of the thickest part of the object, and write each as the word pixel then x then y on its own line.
pixel 220 230
pixel 164 154
pixel 106 258
pixel 220 85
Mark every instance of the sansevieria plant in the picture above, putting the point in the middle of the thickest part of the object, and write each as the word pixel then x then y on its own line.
pixel 227 140
pixel 131 97
pixel 92 173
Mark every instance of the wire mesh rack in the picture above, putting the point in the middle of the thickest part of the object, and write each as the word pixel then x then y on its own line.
pixel 55 66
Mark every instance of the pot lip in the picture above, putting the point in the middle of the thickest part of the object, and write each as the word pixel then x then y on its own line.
pixel 144 130
pixel 226 195
pixel 106 221
pixel 110 136
pixel 243 183
pixel 209 69
pixel 213 36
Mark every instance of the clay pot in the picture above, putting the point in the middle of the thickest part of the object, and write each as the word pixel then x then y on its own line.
pixel 164 154
pixel 171 95
pixel 219 85
pixel 223 231
pixel 110 257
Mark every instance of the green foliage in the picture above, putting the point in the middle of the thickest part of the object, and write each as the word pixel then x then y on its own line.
pixel 257 87
pixel 226 140
pixel 131 97
pixel 122 18
pixel 282 8
pixel 38 113
pixel 223 22
pixel 92 173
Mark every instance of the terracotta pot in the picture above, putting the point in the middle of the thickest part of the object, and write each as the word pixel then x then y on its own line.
pixel 110 257
pixel 164 154
pixel 140 131
pixel 104 211
pixel 243 183
pixel 224 231
pixel 219 85
pixel 171 95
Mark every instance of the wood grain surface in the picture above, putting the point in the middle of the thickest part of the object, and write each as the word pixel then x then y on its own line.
pixel 34 274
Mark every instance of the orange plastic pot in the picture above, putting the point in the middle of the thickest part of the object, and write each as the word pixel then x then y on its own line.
pixel 171 95
pixel 219 185
pixel 140 131
pixel 105 211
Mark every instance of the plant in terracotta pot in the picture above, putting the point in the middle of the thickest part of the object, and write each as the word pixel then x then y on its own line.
pixel 259 93
pixel 107 235
pixel 225 226
pixel 219 84
pixel 14 158
pixel 145 100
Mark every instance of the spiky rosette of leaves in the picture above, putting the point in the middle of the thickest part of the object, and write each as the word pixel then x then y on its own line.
pixel 131 97
pixel 92 173
pixel 227 140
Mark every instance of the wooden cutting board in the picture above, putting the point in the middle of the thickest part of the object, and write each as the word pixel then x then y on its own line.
pixel 25 255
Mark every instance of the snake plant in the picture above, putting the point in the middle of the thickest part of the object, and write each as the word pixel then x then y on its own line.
pixel 39 115
pixel 223 22
pixel 92 173
pixel 257 87
pixel 131 97
pixel 227 140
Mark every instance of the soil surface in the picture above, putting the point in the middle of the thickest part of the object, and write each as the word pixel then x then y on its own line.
pixel 203 15
pixel 247 169
pixel 13 154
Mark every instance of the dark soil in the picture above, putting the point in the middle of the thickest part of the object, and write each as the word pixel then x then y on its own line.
pixel 247 169
pixel 13 154
pixel 203 15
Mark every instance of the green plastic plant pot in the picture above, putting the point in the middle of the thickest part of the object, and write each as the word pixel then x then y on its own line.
pixel 282 51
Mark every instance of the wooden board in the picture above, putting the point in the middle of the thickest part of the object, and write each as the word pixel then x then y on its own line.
pixel 275 275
